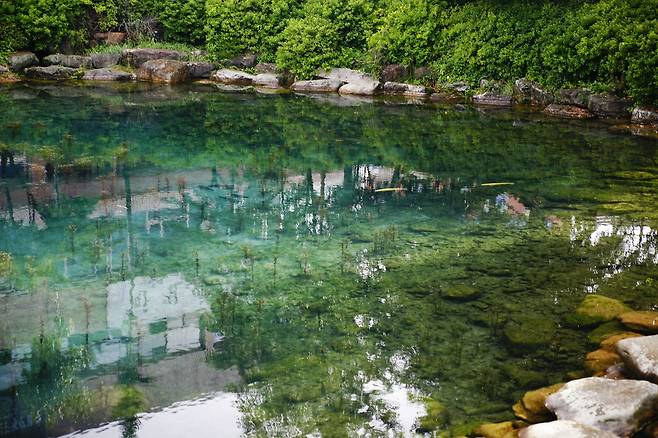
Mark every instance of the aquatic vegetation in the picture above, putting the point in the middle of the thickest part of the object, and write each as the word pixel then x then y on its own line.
pixel 6 264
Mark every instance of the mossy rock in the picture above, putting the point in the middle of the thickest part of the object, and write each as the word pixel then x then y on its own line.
pixel 595 309
pixel 435 418
pixel 460 292
pixel 596 336
pixel 523 377
pixel 528 332
pixel 506 429
pixel 645 322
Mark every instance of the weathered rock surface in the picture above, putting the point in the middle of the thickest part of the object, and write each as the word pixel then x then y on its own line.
pixel 645 116
pixel 405 89
pixel 104 60
pixel 270 80
pixel 137 57
pixel 563 429
pixel 199 70
pixel 265 67
pixel 345 75
pixel 107 74
pixel 532 406
pixel 51 73
pixel 361 88
pixel 609 343
pixel 317 85
pixel 244 61
pixel 506 429
pixel 640 354
pixel 460 87
pixel 446 97
pixel 233 77
pixel 73 61
pixel 607 105
pixel 642 321
pixel 19 61
pixel 595 309
pixel 529 332
pixel 620 407
pixel 492 99
pixel 574 96
pixel 568 111
pixel 393 72
pixel 529 92
pixel 598 361
pixel 163 71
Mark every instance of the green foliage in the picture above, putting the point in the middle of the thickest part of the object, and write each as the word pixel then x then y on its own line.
pixel 183 20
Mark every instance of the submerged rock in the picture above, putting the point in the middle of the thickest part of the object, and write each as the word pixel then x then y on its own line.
pixel 606 330
pixel 233 77
pixel 104 60
pixel 73 61
pixel 164 71
pixel 598 361
pixel 361 88
pixel 642 321
pixel 608 105
pixel 640 354
pixel 563 429
pixel 460 292
pixel 317 85
pixel 51 73
pixel 532 406
pixel 19 61
pixel 492 99
pixel 405 89
pixel 107 74
pixel 595 309
pixel 530 92
pixel 568 111
pixel 530 332
pixel 506 429
pixel 617 406
pixel 199 70
pixel 137 57
pixel 645 116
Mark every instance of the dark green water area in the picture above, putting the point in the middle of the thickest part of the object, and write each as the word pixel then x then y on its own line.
pixel 184 262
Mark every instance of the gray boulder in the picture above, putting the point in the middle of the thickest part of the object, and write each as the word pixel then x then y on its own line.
pixel 345 75
pixel 107 74
pixel 568 111
pixel 19 61
pixel 200 70
pixel 104 60
pixel 640 354
pixel 644 116
pixel 405 89
pixel 620 407
pixel 529 92
pixel 233 77
pixel 393 72
pixel 243 61
pixel 361 88
pixel 608 105
pixel 51 73
pixel 270 80
pixel 492 99
pixel 317 86
pixel 563 429
pixel 166 71
pixel 460 87
pixel 73 61
pixel 574 96
pixel 137 57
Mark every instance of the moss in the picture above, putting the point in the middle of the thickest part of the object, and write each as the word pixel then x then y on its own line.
pixel 530 332
pixel 595 309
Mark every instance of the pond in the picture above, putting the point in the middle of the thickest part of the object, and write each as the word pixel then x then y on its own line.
pixel 184 262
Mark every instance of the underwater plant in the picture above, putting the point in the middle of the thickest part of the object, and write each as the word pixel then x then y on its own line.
pixel 5 264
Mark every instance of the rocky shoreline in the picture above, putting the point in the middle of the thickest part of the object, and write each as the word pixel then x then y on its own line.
pixel 171 67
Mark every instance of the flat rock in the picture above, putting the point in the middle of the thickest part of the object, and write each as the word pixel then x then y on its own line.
pixel 405 89
pixel 345 75
pixel 107 74
pixel 270 80
pixel 104 60
pixel 51 73
pixel 609 342
pixel 620 407
pixel 199 70
pixel 595 309
pixel 446 97
pixel 568 111
pixel 492 99
pixel 317 85
pixel 642 321
pixel 597 362
pixel 563 429
pixel 233 77
pixel 73 61
pixel 532 406
pixel 19 61
pixel 640 354
pixel 644 116
pixel 166 71
pixel 608 105
pixel 137 57
pixel 361 88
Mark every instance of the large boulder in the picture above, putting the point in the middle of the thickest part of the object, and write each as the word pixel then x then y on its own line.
pixel 73 61
pixel 137 57
pixel 244 61
pixel 271 80
pixel 107 74
pixel 620 407
pixel 599 361
pixel 361 88
pixel 596 309
pixel 645 116
pixel 563 429
pixel 574 96
pixel 642 321
pixel 317 86
pixel 233 77
pixel 568 111
pixel 163 71
pixel 640 354
pixel 492 99
pixel 405 89
pixel 51 73
pixel 393 72
pixel 104 60
pixel 19 61
pixel 532 406
pixel 608 105
pixel 529 92
pixel 200 70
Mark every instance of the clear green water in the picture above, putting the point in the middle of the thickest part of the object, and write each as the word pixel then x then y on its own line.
pixel 191 263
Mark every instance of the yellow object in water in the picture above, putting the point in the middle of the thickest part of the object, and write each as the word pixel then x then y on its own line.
pixel 390 189
pixel 496 184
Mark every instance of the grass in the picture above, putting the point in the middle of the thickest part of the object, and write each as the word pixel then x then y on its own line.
pixel 151 44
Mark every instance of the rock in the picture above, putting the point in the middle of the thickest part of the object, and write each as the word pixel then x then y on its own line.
pixel 243 61
pixel 110 37
pixel 3 69
pixel 51 73
pixel 568 111
pixel 234 77
pixel 493 99
pixel 8 78
pixel 506 429
pixel 529 92
pixel 563 429
pixel 598 361
pixel 640 355
pixel 644 116
pixel 604 331
pixel 393 72
pixel 107 74
pixel 617 406
pixel 137 57
pixel 345 75
pixel 163 71
pixel 609 342
pixel 443 97
pixel 574 96
pixel 607 105
pixel 532 407
pixel 405 89
pixel 645 322
pixel 530 332
pixel 317 85
pixel 422 73
pixel 73 61
pixel 361 88
pixel 19 61
pixel 460 87
pixel 199 70
pixel 104 60
pixel 595 309
pixel 265 67
pixel 270 80
pixel 460 292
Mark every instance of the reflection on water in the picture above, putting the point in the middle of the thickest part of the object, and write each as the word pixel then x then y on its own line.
pixel 174 261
